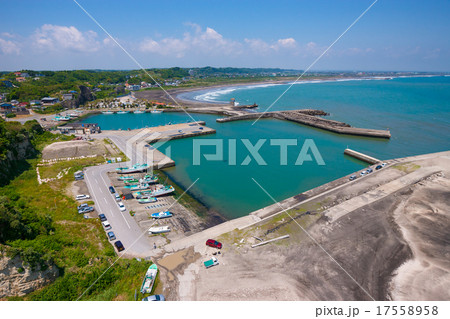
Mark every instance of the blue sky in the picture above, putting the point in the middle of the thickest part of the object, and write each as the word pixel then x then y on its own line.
pixel 394 35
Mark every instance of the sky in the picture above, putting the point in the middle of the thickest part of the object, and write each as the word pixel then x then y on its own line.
pixel 394 35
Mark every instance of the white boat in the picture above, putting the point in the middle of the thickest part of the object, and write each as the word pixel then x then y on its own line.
pixel 138 112
pixel 122 112
pixel 162 191
pixel 149 279
pixel 156 111
pixel 159 230
pixel 108 112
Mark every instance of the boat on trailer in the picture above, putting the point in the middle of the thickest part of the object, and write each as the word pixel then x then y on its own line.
pixel 146 200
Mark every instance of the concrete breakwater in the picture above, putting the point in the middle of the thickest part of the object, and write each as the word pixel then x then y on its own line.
pixel 310 118
pixel 361 156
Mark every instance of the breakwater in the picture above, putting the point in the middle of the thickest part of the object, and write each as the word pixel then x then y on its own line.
pixel 361 156
pixel 310 117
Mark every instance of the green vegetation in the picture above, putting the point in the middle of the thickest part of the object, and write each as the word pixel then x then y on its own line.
pixel 10 115
pixel 407 167
pixel 40 224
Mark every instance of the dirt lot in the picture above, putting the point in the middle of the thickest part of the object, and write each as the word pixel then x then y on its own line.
pixel 392 247
pixel 77 149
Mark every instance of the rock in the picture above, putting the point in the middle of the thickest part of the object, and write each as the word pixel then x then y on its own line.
pixel 16 279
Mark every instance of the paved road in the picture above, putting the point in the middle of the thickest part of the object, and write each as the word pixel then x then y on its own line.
pixel 123 225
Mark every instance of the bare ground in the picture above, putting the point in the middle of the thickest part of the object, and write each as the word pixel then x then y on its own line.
pixel 391 247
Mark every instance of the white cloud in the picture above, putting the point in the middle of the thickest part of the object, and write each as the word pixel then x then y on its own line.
pixel 55 37
pixel 285 43
pixel 9 47
pixel 208 41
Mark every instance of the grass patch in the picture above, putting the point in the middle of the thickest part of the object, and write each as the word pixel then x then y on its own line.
pixel 78 247
pixel 407 167
pixel 51 171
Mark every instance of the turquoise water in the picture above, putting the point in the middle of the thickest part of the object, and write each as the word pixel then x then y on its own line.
pixel 416 110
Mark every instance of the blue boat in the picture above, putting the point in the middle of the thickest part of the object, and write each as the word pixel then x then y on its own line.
pixel 162 215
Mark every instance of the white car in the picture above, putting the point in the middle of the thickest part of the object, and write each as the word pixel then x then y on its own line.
pixel 106 225
pixel 121 206
pixel 81 197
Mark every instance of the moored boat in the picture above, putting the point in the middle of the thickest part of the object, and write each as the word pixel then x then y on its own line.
pixel 122 112
pixel 161 215
pixel 108 112
pixel 156 111
pixel 149 279
pixel 138 187
pixel 138 112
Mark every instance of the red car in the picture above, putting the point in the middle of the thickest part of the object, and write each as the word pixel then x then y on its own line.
pixel 213 243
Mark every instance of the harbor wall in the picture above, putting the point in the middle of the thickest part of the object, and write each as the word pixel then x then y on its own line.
pixel 361 156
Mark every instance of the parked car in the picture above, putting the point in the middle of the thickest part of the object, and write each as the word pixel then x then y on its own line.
pixel 119 245
pixel 117 197
pixel 383 164
pixel 369 170
pixel 378 167
pixel 363 173
pixel 154 298
pixel 102 217
pixel 121 206
pixel 85 210
pixel 353 177
pixel 111 235
pixel 106 225
pixel 81 197
pixel 112 190
pixel 82 206
pixel 213 243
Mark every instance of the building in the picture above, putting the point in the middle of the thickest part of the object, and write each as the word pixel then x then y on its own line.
pixel 80 128
pixel 5 109
pixel 20 79
pixel 35 102
pixel 20 109
pixel 136 87
pixel 49 100
pixel 67 97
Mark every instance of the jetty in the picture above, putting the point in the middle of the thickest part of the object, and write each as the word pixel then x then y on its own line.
pixel 361 156
pixel 311 118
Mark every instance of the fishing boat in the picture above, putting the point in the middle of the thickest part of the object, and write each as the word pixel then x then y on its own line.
pixel 108 112
pixel 149 179
pixel 156 111
pixel 161 215
pixel 162 191
pixel 122 112
pixel 138 112
pixel 135 169
pixel 149 279
pixel 159 230
pixel 138 187
pixel 147 200
pixel 62 118
pixel 127 178
pixel 143 193
pixel 131 181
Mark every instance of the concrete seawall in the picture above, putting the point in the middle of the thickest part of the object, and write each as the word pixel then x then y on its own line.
pixel 310 118
pixel 361 156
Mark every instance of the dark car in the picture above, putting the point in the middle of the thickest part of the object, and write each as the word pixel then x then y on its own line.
pixel 119 245
pixel 213 243
pixel 102 217
pixel 378 167
pixel 111 235
pixel 112 190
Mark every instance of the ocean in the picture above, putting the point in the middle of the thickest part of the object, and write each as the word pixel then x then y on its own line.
pixel 416 111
